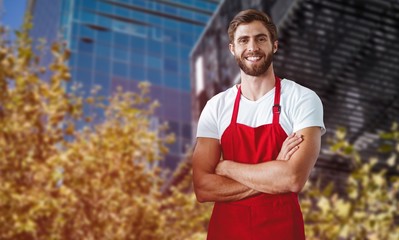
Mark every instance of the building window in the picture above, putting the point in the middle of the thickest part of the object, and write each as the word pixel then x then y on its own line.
pixel 85 61
pixel 121 40
pixel 171 80
pixel 102 50
pixel 137 73
pixel 154 62
pixel 170 65
pixel 154 76
pixel 119 69
pixel 120 55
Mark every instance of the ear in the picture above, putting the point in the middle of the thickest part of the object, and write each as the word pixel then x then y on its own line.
pixel 275 46
pixel 231 47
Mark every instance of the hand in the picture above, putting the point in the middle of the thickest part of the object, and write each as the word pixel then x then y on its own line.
pixel 219 168
pixel 290 145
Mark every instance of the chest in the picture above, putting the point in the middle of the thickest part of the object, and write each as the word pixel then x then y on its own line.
pixel 255 116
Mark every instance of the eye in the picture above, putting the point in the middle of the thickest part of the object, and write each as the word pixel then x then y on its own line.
pixel 262 39
pixel 242 41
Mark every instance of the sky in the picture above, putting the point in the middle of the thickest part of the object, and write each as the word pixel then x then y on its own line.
pixel 12 13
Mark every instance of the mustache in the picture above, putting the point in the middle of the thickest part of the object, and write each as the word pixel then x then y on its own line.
pixel 254 54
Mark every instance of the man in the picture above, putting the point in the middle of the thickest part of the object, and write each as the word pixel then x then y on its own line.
pixel 249 125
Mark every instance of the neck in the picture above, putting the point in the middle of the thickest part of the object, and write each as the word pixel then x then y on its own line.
pixel 254 88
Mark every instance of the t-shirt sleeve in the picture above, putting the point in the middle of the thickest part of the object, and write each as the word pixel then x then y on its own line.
pixel 207 123
pixel 308 112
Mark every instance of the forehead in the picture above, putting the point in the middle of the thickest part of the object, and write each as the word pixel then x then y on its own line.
pixel 253 28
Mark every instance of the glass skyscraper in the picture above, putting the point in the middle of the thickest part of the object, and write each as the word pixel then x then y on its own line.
pixel 122 42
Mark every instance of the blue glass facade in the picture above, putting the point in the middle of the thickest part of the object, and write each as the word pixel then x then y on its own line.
pixel 122 42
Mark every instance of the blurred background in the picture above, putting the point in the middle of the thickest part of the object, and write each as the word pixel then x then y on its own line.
pixel 346 51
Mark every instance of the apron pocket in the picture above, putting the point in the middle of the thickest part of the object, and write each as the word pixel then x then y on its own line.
pixel 229 221
pixel 277 220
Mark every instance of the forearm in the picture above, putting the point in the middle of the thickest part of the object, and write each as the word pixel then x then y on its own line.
pixel 269 177
pixel 278 176
pixel 216 188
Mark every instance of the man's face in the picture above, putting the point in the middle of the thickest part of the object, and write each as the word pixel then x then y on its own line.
pixel 252 48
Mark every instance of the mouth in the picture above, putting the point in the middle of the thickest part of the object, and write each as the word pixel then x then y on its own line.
pixel 253 58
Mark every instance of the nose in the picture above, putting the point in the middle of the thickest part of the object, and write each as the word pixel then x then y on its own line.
pixel 252 45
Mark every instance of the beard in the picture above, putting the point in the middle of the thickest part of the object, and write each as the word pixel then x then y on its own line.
pixel 257 69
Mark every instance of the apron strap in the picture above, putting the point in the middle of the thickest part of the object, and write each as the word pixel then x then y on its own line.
pixel 276 106
pixel 236 105
pixel 234 118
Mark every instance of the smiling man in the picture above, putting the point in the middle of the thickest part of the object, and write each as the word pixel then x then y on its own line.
pixel 257 142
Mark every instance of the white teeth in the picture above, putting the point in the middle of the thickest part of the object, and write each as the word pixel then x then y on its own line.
pixel 253 58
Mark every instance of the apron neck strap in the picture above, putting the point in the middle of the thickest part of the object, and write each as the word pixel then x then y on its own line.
pixel 276 106
pixel 236 105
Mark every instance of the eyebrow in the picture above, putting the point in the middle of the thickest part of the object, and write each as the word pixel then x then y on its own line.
pixel 256 36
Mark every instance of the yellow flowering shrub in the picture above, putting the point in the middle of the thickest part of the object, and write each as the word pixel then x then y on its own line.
pixel 370 204
pixel 102 181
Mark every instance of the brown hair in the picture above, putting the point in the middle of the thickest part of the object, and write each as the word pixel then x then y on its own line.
pixel 248 16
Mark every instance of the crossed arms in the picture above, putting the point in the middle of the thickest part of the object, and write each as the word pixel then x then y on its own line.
pixel 218 180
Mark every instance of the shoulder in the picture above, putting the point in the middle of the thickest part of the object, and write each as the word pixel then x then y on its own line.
pixel 221 100
pixel 296 93
pixel 292 88
pixel 303 106
pixel 223 97
pixel 214 114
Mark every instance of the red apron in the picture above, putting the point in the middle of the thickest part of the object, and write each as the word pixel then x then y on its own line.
pixel 264 216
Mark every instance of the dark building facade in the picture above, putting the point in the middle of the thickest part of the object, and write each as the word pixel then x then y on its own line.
pixel 346 51
pixel 124 42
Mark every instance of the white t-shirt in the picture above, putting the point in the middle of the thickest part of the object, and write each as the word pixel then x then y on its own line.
pixel 300 108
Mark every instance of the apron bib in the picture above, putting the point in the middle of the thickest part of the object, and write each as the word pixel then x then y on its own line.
pixel 264 216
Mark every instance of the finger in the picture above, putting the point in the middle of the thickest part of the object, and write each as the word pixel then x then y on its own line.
pixel 291 152
pixel 289 143
pixel 293 137
pixel 294 142
pixel 289 140
pixel 290 136
pixel 287 146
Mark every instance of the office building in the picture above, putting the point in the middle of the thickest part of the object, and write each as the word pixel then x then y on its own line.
pixel 123 42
